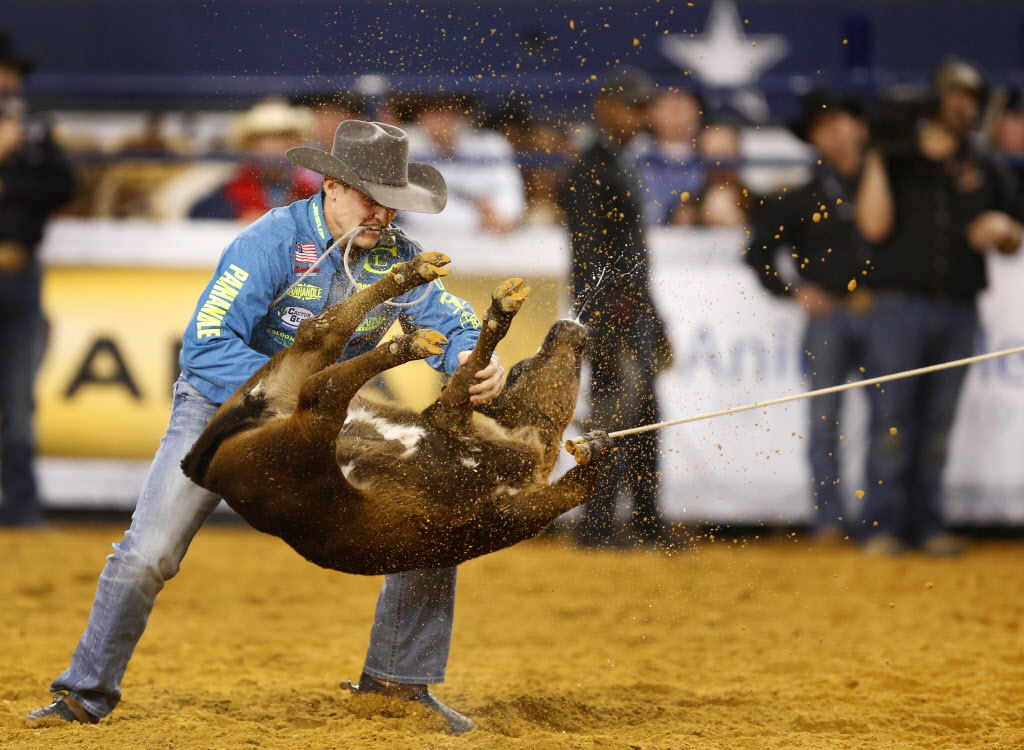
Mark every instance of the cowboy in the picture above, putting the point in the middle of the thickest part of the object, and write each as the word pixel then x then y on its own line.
pixel 628 347
pixel 263 178
pixel 288 266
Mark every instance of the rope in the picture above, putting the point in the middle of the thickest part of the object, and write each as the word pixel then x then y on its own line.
pixel 351 237
pixel 392 230
pixel 811 394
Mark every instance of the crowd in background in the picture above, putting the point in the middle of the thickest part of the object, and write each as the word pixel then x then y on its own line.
pixel 698 168
pixel 216 165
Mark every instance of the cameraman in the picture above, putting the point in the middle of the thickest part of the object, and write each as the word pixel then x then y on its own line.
pixel 933 210
pixel 35 178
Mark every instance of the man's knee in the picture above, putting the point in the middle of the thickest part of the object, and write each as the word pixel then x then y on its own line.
pixel 159 562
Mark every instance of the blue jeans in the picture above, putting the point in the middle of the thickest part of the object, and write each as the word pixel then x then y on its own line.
pixel 21 335
pixel 834 348
pixel 904 492
pixel 411 631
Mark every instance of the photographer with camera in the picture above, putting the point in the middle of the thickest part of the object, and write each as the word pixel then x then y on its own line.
pixel 35 178
pixel 933 208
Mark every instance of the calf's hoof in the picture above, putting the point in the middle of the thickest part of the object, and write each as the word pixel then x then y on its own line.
pixel 589 447
pixel 418 344
pixel 428 265
pixel 510 295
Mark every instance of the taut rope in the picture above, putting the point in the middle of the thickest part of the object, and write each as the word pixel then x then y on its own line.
pixel 574 445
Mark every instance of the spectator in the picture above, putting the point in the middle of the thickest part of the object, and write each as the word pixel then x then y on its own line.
pixel 328 109
pixel 266 179
pixel 152 141
pixel 1008 137
pixel 548 151
pixel 627 345
pixel 35 178
pixel 935 211
pixel 724 200
pixel 669 163
pixel 485 188
pixel 816 223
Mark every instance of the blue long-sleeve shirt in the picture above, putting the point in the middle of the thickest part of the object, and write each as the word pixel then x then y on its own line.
pixel 252 306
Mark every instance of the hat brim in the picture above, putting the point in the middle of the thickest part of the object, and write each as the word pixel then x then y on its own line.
pixel 425 193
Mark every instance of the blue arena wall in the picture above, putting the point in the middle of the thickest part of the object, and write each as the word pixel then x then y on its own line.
pixel 230 51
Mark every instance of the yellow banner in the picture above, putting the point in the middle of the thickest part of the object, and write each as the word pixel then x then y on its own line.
pixel 105 383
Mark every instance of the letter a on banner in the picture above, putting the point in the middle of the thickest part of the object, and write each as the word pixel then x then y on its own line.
pixel 103 348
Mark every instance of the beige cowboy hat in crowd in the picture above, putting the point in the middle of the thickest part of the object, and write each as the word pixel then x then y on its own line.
pixel 272 117
pixel 373 158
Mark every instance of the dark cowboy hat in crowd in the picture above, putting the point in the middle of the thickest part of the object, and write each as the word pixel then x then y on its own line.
pixel 373 158
pixel 631 86
pixel 10 57
pixel 818 103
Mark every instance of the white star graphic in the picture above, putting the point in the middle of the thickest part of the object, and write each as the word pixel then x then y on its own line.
pixel 723 55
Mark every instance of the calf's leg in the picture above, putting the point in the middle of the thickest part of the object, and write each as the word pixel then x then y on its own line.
pixel 321 341
pixel 324 398
pixel 453 409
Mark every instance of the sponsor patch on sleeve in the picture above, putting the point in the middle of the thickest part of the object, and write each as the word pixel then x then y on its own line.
pixel 219 301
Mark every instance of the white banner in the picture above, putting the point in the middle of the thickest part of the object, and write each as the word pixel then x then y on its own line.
pixel 734 346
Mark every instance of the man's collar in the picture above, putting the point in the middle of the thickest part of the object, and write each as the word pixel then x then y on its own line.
pixel 318 222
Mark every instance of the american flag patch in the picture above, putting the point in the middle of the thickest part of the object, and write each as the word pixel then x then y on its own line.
pixel 305 252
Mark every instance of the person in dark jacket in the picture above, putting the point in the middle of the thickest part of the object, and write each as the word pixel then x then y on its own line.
pixel 935 210
pixel 35 178
pixel 627 345
pixel 816 224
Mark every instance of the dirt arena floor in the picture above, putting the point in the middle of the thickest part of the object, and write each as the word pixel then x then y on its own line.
pixel 732 644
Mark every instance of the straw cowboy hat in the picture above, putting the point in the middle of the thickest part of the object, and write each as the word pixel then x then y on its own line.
pixel 373 158
pixel 272 117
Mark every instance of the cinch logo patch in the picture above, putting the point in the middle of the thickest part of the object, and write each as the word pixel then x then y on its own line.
pixel 217 304
pixel 306 292
pixel 292 316
pixel 381 260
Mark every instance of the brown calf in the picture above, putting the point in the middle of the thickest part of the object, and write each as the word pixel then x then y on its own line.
pixel 380 489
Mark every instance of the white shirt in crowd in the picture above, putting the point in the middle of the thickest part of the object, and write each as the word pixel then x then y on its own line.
pixel 482 169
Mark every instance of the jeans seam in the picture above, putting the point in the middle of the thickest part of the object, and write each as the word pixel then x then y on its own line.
pixel 396 627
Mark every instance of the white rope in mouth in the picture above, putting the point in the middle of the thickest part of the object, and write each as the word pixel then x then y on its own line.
pixel 392 230
pixel 350 237
pixel 811 394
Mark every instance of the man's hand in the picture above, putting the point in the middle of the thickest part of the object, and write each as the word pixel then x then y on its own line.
pixel 815 300
pixel 490 219
pixel 994 229
pixel 12 133
pixel 492 380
